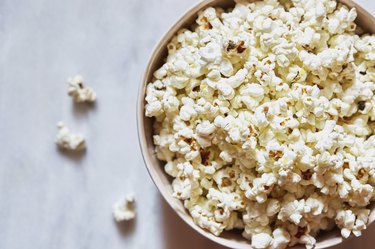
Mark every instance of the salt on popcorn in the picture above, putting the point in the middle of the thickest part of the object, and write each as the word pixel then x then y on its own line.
pixel 263 116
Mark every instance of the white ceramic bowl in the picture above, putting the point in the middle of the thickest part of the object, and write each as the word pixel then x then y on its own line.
pixel 155 167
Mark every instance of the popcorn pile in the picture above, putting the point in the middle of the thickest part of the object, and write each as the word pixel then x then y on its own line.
pixel 264 117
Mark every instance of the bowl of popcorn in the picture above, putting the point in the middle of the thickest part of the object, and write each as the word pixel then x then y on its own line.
pixel 256 121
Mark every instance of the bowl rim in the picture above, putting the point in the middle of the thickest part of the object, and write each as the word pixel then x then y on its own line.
pixel 140 118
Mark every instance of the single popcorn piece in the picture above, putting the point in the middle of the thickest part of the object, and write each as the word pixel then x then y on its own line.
pixel 264 119
pixel 261 241
pixel 68 141
pixel 281 238
pixel 124 209
pixel 79 91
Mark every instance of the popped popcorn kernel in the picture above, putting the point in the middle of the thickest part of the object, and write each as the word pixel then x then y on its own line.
pixel 79 91
pixel 124 209
pixel 68 141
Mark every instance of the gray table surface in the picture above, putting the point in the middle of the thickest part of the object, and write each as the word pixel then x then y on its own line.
pixel 49 199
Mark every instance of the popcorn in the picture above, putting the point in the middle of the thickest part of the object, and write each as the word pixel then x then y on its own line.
pixel 263 116
pixel 237 79
pixel 281 238
pixel 261 241
pixel 205 132
pixel 226 68
pixel 187 113
pixel 293 211
pixel 346 220
pixel 68 141
pixel 79 92
pixel 341 20
pixel 226 90
pixel 124 209
pixel 226 156
pixel 204 218
pixel 261 187
pixel 211 52
pixel 308 240
pixel 226 201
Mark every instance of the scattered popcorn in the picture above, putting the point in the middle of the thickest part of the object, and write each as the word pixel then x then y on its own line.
pixel 264 117
pixel 68 141
pixel 124 209
pixel 79 92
